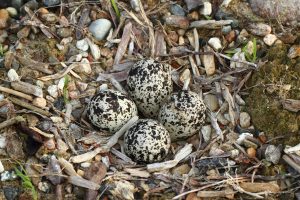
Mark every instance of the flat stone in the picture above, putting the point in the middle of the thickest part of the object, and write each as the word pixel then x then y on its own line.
pixel 270 39
pixel 100 28
pixel 215 43
pixel 211 101
pixel 273 154
pixel 39 102
pixel 245 120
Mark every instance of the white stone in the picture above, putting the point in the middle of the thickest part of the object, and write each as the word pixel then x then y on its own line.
pixel 2 142
pixel 209 62
pixel 12 11
pixel 206 133
pixel 245 120
pixel 1 167
pixel 206 9
pixel 270 39
pixel 100 28
pixel 238 56
pixel 39 102
pixel 85 66
pixel 61 84
pixel 40 83
pixel 215 43
pixel 60 47
pixel 82 45
pixel 1 97
pixel 85 164
pixel 12 75
pixel 95 50
pixel 44 186
pixel 53 91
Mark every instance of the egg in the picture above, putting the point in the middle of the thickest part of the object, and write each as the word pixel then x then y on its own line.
pixel 183 115
pixel 150 85
pixel 147 141
pixel 109 110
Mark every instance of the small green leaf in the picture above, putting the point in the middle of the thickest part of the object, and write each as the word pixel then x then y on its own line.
pixel 115 7
pixel 26 182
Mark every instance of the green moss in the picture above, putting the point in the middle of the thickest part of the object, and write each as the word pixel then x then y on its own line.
pixel 269 89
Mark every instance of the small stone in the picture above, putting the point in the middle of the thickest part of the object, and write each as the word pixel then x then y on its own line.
pixel 181 40
pixel 12 75
pixel 239 100
pixel 51 2
pixel 226 29
pixel 64 32
pixel 95 50
pixel 273 154
pixel 135 5
pixel 206 132
pixel 11 192
pixel 194 15
pixel 8 176
pixel 215 43
pixel 52 18
pixel 177 10
pixel 206 9
pixel 100 28
pixel 182 169
pixel 3 35
pixel 211 101
pixel 53 91
pixel 85 164
pixel 230 37
pixel 177 21
pixel 209 61
pixel 81 85
pixel 12 11
pixel 84 67
pixel 270 39
pixel 260 29
pixel 39 102
pixel 294 51
pixel 222 119
pixel 4 16
pixel 245 120
pixel 251 152
pixel 173 36
pixel 82 45
pixel 193 4
pixel 2 142
pixel 1 167
pixel 44 186
pixel 240 56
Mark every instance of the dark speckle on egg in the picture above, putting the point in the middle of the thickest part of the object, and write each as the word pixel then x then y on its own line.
pixel 183 115
pixel 109 110
pixel 150 85
pixel 147 141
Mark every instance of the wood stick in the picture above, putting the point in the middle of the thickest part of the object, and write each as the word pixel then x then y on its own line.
pixel 29 106
pixel 16 93
pixel 27 88
pixel 11 121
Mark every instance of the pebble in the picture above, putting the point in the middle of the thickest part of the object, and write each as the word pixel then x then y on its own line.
pixel 260 29
pixel 2 142
pixel 100 28
pixel 211 101
pixel 273 154
pixel 239 100
pixel 95 50
pixel 8 176
pixel 53 91
pixel 39 102
pixel 85 164
pixel 11 192
pixel 4 16
pixel 206 132
pixel 230 37
pixel 193 4
pixel 51 2
pixel 177 21
pixel 83 45
pixel 222 119
pixel 64 32
pixel 270 39
pixel 44 186
pixel 3 35
pixel 215 43
pixel 182 169
pixel 209 61
pixel 226 29
pixel 12 75
pixel 1 167
pixel 177 10
pixel 12 11
pixel 251 152
pixel 206 9
pixel 239 55
pixel 85 67
pixel 245 120
pixel 294 51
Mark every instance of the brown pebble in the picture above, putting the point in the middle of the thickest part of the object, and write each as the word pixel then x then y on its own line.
pixel 173 36
pixel 4 16
pixel 192 196
pixel 251 152
pixel 193 15
pixel 39 102
pixel 177 21
pixel 230 36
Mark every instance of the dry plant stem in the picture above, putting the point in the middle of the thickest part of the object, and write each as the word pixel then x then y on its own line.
pixel 60 74
pixel 197 46
pixel 289 161
pixel 29 106
pixel 122 156
pixel 27 88
pixel 215 124
pixel 117 85
pixel 194 66
pixel 71 71
pixel 81 182
pixel 16 93
pixel 235 60
pixel 111 142
pixel 11 121
pixel 67 167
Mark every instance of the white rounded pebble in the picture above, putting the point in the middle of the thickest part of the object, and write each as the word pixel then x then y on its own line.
pixel 85 164
pixel 245 120
pixel 53 91
pixel 12 75
pixel 1 167
pixel 12 11
pixel 82 45
pixel 85 66
pixel 100 28
pixel 206 9
pixel 39 102
pixel 270 39
pixel 2 142
pixel 215 43
pixel 44 186
pixel 206 132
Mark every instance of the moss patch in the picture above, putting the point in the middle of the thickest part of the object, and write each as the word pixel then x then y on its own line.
pixel 277 80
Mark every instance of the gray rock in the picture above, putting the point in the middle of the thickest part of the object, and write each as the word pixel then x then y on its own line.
pixel 211 101
pixel 64 32
pixel 193 4
pixel 177 10
pixel 11 192
pixel 17 4
pixel 245 120
pixel 82 44
pixel 226 29
pixel 51 2
pixel 100 28
pixel 273 154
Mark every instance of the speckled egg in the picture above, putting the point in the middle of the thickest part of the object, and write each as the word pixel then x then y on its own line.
pixel 109 110
pixel 147 141
pixel 150 85
pixel 183 115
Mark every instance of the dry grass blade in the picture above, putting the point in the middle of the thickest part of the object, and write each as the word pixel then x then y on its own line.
pixel 124 43
pixel 16 93
pixel 160 44
pixel 59 74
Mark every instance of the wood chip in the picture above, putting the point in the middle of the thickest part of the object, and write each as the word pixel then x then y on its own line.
pixel 260 187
